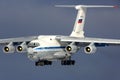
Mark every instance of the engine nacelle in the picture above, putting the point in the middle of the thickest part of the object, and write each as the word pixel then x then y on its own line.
pixel 90 49
pixel 22 48
pixel 9 48
pixel 71 48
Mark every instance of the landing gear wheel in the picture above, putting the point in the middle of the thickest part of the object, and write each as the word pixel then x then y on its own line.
pixel 48 62
pixel 68 62
pixel 39 63
pixel 73 62
pixel 43 62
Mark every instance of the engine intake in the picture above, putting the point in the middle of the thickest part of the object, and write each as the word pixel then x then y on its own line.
pixel 90 49
pixel 19 48
pixel 71 48
pixel 6 49
pixel 9 48
pixel 22 48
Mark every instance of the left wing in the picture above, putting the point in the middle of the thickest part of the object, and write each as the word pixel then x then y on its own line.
pixel 89 40
pixel 17 40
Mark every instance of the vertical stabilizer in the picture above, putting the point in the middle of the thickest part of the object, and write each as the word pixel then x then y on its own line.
pixel 79 23
pixel 78 30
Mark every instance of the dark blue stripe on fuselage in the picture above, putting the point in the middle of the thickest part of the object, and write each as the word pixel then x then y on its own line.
pixel 59 47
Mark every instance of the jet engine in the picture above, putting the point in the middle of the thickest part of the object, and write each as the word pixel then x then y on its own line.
pixel 9 48
pixel 22 48
pixel 71 48
pixel 90 49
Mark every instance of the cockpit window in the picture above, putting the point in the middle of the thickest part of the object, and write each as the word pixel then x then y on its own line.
pixel 33 44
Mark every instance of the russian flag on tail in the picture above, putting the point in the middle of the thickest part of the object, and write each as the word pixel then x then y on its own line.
pixel 79 21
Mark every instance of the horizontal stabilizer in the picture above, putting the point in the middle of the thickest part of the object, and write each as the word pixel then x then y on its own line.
pixel 87 6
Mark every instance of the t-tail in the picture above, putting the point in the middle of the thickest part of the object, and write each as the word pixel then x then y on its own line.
pixel 78 30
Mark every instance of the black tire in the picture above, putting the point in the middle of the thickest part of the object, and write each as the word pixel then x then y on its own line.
pixel 68 62
pixel 39 63
pixel 50 62
pixel 47 62
pixel 72 62
pixel 36 64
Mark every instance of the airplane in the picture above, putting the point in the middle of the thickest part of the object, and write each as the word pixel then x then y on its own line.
pixel 44 49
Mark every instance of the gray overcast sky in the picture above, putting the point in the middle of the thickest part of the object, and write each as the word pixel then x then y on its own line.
pixel 35 17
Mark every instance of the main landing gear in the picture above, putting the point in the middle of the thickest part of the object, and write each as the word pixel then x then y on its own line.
pixel 68 62
pixel 43 62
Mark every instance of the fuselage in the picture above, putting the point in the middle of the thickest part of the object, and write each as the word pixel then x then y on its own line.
pixel 46 48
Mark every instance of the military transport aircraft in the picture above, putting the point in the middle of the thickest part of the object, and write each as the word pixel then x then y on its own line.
pixel 44 49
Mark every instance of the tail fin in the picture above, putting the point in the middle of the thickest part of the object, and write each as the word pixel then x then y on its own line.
pixel 79 23
pixel 78 30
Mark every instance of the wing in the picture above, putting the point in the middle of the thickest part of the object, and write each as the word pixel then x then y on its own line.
pixel 89 40
pixel 17 40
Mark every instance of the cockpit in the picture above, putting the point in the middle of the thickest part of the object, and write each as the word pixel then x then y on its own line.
pixel 33 44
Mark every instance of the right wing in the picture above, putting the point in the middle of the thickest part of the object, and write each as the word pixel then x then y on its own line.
pixel 89 40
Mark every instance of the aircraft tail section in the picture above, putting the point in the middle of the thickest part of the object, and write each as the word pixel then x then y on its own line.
pixel 78 30
pixel 79 23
